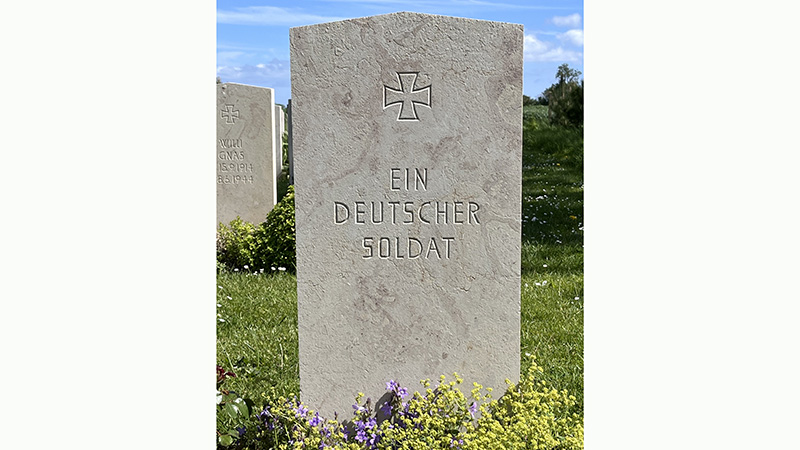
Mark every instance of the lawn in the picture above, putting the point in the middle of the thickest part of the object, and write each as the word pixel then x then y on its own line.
pixel 257 312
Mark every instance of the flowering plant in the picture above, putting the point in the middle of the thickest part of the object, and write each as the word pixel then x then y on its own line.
pixel 529 415
pixel 233 412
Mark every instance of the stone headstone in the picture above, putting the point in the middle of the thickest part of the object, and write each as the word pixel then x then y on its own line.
pixel 245 152
pixel 279 123
pixel 290 155
pixel 407 137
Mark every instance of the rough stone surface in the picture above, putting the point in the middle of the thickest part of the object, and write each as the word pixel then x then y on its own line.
pixel 420 115
pixel 245 152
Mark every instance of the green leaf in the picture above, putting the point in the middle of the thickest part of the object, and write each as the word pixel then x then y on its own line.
pixel 251 405
pixel 225 440
pixel 243 407
pixel 232 410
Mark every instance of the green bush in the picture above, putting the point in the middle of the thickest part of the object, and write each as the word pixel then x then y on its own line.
pixel 266 246
pixel 528 416
pixel 235 244
pixel 534 117
pixel 275 238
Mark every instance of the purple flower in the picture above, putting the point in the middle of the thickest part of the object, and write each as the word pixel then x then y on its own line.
pixel 325 431
pixel 241 430
pixel 373 440
pixel 300 411
pixel 395 387
pixel 267 418
pixel 386 408
pixel 359 409
pixel 316 420
pixel 473 408
pixel 454 442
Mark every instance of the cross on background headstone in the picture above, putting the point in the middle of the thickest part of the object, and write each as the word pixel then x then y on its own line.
pixel 407 96
pixel 245 153
pixel 229 114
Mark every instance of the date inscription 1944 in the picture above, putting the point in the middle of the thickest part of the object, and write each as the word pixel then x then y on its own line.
pixel 232 165
pixel 407 213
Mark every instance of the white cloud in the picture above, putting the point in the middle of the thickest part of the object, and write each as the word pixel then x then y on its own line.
pixel 536 50
pixel 574 37
pixel 270 15
pixel 272 74
pixel 572 20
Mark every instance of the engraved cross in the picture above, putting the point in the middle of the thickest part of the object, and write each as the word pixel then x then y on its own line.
pixel 407 96
pixel 229 114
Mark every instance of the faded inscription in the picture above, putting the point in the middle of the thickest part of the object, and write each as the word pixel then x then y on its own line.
pixel 232 165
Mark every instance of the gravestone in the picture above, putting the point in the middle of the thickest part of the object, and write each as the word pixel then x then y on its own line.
pixel 407 147
pixel 289 155
pixel 279 123
pixel 245 152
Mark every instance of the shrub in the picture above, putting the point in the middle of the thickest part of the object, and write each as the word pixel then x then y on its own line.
pixel 235 244
pixel 528 416
pixel 275 238
pixel 270 244
pixel 534 117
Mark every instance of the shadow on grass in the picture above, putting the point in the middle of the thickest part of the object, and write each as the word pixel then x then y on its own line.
pixel 552 198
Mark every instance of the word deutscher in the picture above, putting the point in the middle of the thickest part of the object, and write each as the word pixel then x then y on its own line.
pixel 438 213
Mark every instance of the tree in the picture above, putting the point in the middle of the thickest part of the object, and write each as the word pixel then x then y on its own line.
pixel 566 98
pixel 526 101
pixel 566 75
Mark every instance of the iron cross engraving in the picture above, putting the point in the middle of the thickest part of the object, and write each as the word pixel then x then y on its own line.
pixel 408 96
pixel 229 114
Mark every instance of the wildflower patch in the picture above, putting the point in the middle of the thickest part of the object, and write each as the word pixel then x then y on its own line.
pixel 529 414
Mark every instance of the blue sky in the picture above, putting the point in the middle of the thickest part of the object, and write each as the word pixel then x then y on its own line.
pixel 253 35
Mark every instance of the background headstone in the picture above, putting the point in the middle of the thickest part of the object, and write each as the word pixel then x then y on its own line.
pixel 407 142
pixel 245 152
pixel 289 149
pixel 279 123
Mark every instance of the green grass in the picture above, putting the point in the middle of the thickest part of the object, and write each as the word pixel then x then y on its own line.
pixel 552 236
pixel 258 338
